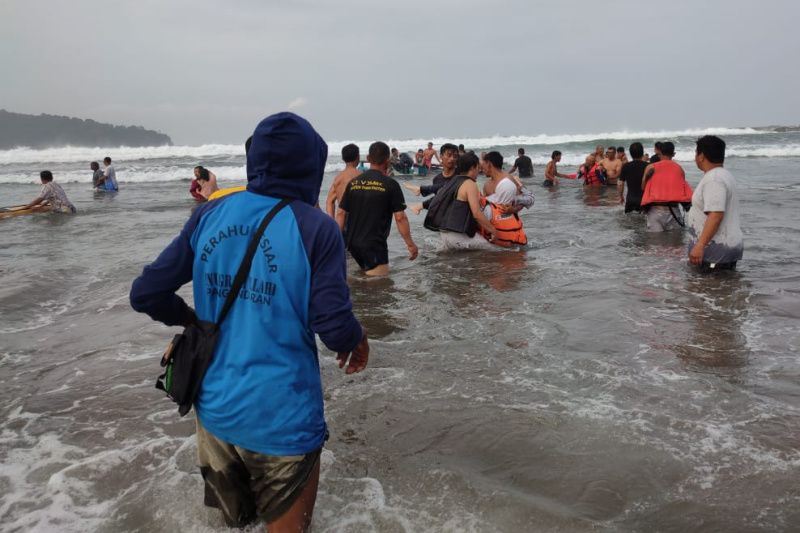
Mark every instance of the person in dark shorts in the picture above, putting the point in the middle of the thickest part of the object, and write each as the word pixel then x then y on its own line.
pixel 524 164
pixel 260 410
pixel 551 173
pixel 365 214
pixel 631 175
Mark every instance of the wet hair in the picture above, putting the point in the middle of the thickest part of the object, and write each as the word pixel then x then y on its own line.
pixel 94 165
pixel 555 154
pixel 636 150
pixel 46 175
pixel 521 151
pixel 350 153
pixel 420 150
pixel 461 148
pixel 203 174
pixel 198 167
pixel 620 149
pixel 247 144
pixel 494 158
pixel 378 153
pixel 394 150
pixel 658 145
pixel 712 147
pixel 106 159
pixel 466 162
pixel 668 149
pixel 448 147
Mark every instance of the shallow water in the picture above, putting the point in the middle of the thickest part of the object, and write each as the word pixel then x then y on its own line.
pixel 592 382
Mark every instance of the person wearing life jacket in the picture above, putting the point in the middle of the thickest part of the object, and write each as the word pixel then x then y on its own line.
pixel 455 212
pixel 591 172
pixel 501 207
pixel 665 189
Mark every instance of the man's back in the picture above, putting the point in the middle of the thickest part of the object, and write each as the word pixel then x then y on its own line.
pixel 632 174
pixel 525 166
pixel 340 183
pixel 370 201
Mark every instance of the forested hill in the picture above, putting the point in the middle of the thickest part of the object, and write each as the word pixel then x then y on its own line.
pixel 47 131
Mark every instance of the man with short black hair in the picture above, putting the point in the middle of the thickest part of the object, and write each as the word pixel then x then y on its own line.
pixel 656 157
pixel 621 154
pixel 524 164
pixel 351 158
pixel 109 178
pixel 449 158
pixel 631 175
pixel 664 189
pixel 551 173
pixel 716 242
pixel 611 166
pixel 52 194
pixel 365 214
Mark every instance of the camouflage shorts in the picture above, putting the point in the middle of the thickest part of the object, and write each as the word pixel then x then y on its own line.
pixel 246 485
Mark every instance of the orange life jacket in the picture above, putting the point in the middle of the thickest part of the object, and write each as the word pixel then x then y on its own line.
pixel 667 185
pixel 507 225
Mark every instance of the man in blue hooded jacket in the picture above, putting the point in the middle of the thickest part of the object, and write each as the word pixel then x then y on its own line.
pixel 260 421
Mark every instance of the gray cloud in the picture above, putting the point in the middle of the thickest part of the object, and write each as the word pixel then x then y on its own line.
pixel 207 71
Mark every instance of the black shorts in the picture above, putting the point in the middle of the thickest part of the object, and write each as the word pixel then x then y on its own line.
pixel 706 267
pixel 547 183
pixel 369 257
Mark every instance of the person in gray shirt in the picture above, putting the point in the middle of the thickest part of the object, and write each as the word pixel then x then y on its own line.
pixel 97 176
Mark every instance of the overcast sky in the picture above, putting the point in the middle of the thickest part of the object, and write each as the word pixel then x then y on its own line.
pixel 207 71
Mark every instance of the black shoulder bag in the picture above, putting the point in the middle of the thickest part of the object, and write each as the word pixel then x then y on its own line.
pixel 188 355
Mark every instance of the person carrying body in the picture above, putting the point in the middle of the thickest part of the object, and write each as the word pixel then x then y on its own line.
pixel 551 173
pixel 589 172
pixel 716 240
pixel 456 212
pixel 507 197
pixel 664 189
pixel 631 175
pixel 365 214
pixel 611 166
pixel 260 416
pixel 351 157
pixel 194 187
pixel 449 159
pixel 109 177
pixel 208 183
pixel 524 164
pixel 51 194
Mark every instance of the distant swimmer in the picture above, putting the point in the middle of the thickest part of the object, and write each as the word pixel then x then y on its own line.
pixel 631 175
pixel 109 177
pixel 502 205
pixel 428 154
pixel 611 166
pixel 456 213
pixel 621 154
pixel 716 236
pixel 524 164
pixel 449 160
pixel 97 176
pixel 51 194
pixel 351 157
pixel 551 173
pixel 665 189
pixel 365 214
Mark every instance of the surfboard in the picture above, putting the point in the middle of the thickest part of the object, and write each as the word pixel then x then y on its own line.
pixel 17 210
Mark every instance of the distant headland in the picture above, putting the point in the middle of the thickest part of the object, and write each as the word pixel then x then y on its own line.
pixel 49 131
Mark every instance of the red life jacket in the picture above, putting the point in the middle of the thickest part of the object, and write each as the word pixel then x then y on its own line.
pixel 591 177
pixel 667 185
pixel 507 225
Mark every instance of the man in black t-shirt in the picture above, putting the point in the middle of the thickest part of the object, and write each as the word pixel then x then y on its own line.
pixel 365 214
pixel 632 174
pixel 448 155
pixel 523 164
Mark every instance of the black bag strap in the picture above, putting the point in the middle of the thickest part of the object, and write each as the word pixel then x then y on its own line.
pixel 244 268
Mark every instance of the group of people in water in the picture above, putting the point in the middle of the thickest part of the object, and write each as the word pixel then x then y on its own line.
pixel 53 197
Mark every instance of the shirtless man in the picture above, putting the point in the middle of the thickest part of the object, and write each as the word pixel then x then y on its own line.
pixel 621 154
pixel 551 173
pixel 428 154
pixel 612 166
pixel 350 156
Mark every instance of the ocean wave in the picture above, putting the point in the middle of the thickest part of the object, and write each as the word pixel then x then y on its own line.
pixel 71 154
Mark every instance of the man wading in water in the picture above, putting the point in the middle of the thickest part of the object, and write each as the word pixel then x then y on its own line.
pixel 260 422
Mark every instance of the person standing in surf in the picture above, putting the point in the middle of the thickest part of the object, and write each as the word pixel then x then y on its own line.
pixel 449 159
pixel 664 189
pixel 351 158
pixel 551 173
pixel 523 164
pixel 52 194
pixel 631 175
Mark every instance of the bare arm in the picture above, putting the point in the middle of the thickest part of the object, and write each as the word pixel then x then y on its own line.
pixel 713 220
pixel 330 203
pixel 37 201
pixel 404 229
pixel 477 212
pixel 648 173
pixel 621 191
pixel 340 217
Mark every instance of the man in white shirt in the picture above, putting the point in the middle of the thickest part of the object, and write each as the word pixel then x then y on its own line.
pixel 109 176
pixel 713 221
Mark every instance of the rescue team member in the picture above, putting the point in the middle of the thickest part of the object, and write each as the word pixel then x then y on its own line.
pixel 51 194
pixel 665 189
pixel 365 214
pixel 449 158
pixel 716 236
pixel 502 205
pixel 455 211
pixel 260 421
pixel 632 175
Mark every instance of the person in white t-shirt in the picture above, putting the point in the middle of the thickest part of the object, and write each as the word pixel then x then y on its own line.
pixel 109 178
pixel 716 236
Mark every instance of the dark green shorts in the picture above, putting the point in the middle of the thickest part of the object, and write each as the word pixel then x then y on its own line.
pixel 246 485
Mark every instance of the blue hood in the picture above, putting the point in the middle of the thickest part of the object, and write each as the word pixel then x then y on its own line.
pixel 286 159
